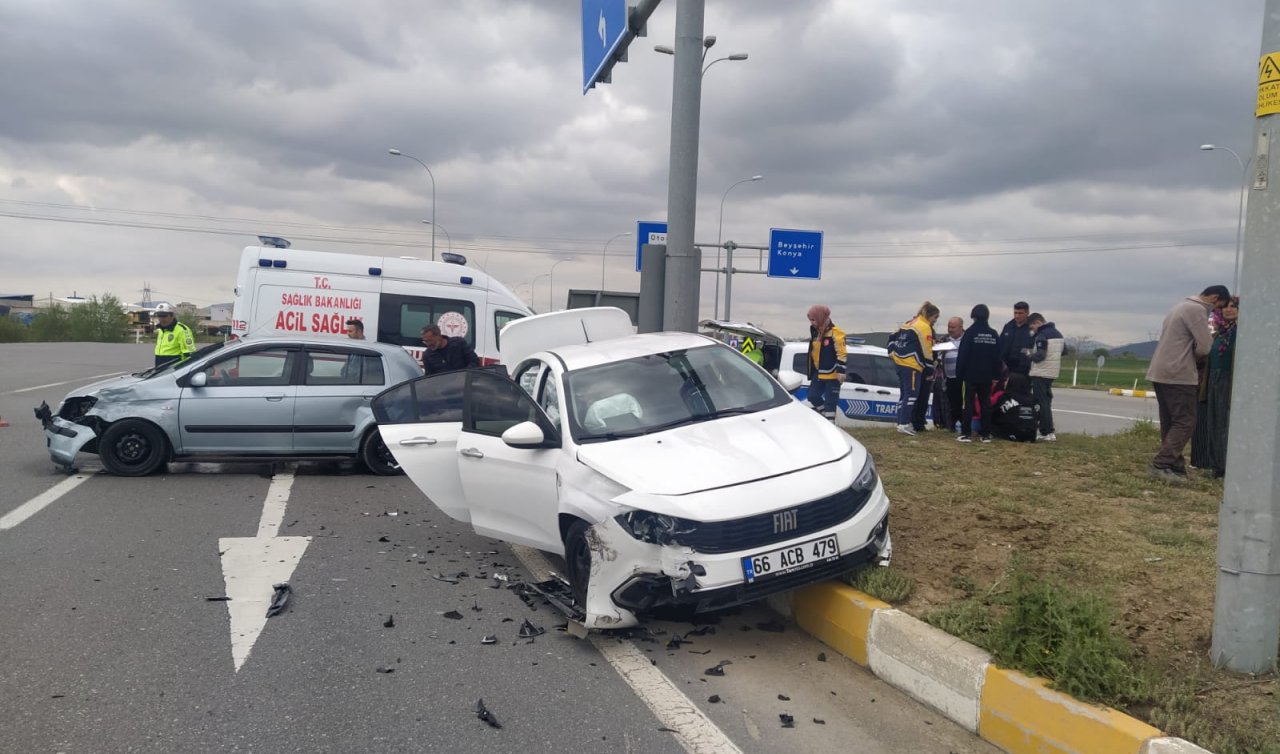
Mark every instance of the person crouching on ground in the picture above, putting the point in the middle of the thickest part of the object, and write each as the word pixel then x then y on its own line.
pixel 826 361
pixel 1015 415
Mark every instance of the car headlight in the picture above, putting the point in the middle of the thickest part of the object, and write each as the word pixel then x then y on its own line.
pixel 654 528
pixel 867 478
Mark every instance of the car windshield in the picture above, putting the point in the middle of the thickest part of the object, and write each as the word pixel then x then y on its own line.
pixel 165 368
pixel 664 390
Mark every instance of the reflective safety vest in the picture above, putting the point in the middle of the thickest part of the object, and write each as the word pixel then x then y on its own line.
pixel 176 342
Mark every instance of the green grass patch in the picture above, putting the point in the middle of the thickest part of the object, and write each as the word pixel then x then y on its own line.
pixel 1173 536
pixel 882 583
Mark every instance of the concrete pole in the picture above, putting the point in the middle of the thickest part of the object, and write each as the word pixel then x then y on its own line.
pixel 728 279
pixel 1246 613
pixel 683 273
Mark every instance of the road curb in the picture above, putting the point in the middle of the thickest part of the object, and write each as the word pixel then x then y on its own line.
pixel 1017 713
pixel 1132 393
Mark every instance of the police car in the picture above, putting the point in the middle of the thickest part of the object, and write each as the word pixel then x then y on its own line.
pixel 869 393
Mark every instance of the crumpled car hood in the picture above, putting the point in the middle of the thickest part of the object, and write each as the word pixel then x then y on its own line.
pixel 127 387
pixel 719 453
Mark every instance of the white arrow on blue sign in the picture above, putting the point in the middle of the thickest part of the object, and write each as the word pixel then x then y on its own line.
pixel 795 254
pixel 604 24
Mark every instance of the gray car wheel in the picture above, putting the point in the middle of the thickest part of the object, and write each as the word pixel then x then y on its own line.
pixel 133 448
pixel 375 454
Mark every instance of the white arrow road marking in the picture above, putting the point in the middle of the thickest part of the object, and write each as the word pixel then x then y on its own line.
pixel 693 729
pixel 251 566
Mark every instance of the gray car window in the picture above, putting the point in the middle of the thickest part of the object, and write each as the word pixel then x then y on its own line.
pixel 343 369
pixel 265 368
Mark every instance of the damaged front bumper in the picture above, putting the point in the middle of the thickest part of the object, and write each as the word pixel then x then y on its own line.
pixel 630 577
pixel 64 438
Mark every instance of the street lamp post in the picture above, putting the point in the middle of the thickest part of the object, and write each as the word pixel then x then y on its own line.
pixel 397 153
pixel 604 251
pixel 1244 176
pixel 533 289
pixel 715 312
pixel 551 292
pixel 447 236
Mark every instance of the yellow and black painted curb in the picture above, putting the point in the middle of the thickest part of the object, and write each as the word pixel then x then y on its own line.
pixel 1017 713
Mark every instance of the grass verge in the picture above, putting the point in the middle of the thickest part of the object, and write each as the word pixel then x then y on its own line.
pixel 1064 560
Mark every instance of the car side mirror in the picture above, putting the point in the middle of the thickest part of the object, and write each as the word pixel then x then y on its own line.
pixel 199 379
pixel 791 381
pixel 524 435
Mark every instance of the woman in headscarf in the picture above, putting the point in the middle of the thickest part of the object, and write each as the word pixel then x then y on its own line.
pixel 826 361
pixel 1209 443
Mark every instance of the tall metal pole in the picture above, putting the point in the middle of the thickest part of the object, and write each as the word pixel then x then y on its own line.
pixel 552 292
pixel 715 311
pixel 680 311
pixel 1246 611
pixel 604 251
pixel 398 153
pixel 728 279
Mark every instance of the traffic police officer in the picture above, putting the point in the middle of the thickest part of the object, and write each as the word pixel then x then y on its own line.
pixel 174 340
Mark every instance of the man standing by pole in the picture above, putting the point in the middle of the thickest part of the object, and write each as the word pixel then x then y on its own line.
pixel 1174 370
pixel 174 341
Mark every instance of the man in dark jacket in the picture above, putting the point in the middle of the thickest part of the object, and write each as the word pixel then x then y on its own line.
pixel 445 354
pixel 978 364
pixel 1046 363
pixel 1016 336
pixel 1015 414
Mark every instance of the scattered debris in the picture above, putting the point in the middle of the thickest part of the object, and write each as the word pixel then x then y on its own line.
pixel 714 699
pixel 528 630
pixel 772 625
pixel 278 599
pixel 475 606
pixel 453 615
pixel 445 579
pixel 386 670
pixel 822 657
pixel 675 641
pixel 666 730
pixel 718 670
pixel 696 652
pixel 819 721
pixel 783 698
pixel 701 631
pixel 217 599
pixel 390 622
pixel 490 639
pixel 787 720
pixel 484 714
pixel 383 539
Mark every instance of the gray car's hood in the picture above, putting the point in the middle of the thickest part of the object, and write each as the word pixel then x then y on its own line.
pixel 125 387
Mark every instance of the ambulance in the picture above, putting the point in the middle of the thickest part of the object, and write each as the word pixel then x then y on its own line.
pixel 284 291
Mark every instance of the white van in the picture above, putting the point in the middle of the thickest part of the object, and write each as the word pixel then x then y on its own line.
pixel 297 292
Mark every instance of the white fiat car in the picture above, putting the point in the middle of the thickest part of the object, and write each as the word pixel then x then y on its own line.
pixel 666 468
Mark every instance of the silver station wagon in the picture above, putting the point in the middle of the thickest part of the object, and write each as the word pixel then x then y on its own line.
pixel 272 397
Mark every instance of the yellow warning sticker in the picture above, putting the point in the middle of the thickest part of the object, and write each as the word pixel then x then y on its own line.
pixel 748 345
pixel 1268 85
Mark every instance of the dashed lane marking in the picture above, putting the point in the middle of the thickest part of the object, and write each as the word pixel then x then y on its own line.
pixel 41 501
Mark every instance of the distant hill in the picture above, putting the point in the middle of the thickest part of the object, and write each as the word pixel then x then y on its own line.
pixel 1143 350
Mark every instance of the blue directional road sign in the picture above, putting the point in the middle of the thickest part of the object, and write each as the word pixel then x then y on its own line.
pixel 648 231
pixel 604 27
pixel 795 253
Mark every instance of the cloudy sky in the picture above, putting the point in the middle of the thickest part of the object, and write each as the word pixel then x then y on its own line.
pixel 984 151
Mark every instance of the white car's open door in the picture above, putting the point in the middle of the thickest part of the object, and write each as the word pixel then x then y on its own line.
pixel 420 421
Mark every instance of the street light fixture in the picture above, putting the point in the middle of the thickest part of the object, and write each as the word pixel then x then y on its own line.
pixel 448 237
pixel 397 153
pixel 604 251
pixel 715 312
pixel 1244 176
pixel 552 288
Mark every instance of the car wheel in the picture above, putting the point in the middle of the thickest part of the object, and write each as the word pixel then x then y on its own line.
pixel 133 448
pixel 375 454
pixel 577 561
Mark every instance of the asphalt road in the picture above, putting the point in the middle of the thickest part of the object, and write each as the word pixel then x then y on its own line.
pixel 110 643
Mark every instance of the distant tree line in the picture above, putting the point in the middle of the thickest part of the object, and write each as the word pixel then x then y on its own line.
pixel 99 320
